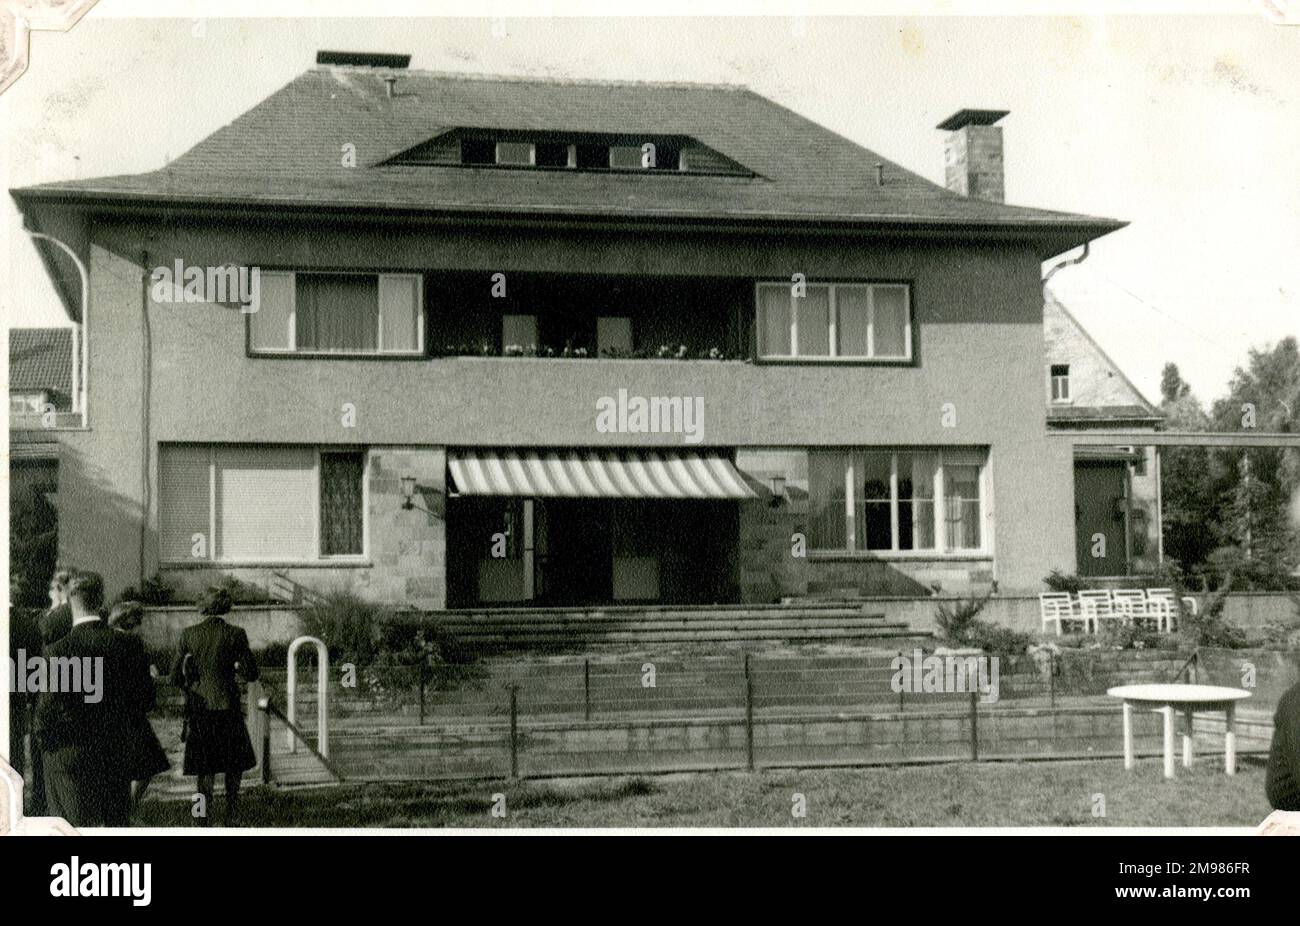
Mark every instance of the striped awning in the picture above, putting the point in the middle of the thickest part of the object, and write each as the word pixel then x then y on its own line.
pixel 597 474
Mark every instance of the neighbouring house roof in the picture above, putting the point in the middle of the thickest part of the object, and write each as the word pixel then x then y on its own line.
pixel 287 152
pixel 40 360
pixel 1101 394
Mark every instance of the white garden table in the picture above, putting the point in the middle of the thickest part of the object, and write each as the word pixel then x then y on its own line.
pixel 1187 699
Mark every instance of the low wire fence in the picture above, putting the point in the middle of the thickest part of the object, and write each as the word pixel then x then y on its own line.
pixel 606 716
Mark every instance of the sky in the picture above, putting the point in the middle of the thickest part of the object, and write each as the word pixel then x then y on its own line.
pixel 1185 126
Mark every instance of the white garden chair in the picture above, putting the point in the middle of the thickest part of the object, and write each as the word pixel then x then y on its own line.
pixel 1056 608
pixel 1133 605
pixel 1162 604
pixel 1097 605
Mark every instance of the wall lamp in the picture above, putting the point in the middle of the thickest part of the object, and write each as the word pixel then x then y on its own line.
pixel 408 493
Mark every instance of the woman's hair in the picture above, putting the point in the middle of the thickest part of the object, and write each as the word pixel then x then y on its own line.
pixel 215 601
pixel 126 615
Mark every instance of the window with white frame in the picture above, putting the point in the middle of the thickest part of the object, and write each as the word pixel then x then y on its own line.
pixel 247 504
pixel 895 501
pixel 350 313
pixel 820 321
pixel 1059 374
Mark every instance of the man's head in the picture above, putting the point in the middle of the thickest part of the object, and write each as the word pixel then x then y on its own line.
pixel 86 594
pixel 126 615
pixel 59 585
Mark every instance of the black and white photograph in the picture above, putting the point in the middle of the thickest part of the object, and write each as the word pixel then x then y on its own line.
pixel 643 419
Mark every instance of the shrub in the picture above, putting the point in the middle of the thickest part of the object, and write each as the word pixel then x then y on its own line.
pixel 347 624
pixel 1129 636
pixel 959 625
pixel 1058 581
pixel 152 591
pixel 1209 628
pixel 394 651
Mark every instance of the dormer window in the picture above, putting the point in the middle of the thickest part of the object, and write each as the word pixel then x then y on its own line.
pixel 477 151
pixel 627 157
pixel 555 154
pixel 553 150
pixel 516 153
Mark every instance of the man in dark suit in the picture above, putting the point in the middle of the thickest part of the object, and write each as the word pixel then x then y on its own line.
pixel 53 625
pixel 84 731
pixel 1282 778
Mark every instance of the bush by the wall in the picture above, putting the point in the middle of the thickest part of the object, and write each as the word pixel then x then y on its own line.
pixel 960 625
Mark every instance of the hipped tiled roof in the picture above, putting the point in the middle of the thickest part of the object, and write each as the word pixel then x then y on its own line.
pixel 287 151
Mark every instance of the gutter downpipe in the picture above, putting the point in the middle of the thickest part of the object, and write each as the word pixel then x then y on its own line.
pixel 80 331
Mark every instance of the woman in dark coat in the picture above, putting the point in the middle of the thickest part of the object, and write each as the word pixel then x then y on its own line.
pixel 145 757
pixel 213 658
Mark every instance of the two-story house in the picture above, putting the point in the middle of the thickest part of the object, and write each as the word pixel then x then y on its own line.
pixel 527 340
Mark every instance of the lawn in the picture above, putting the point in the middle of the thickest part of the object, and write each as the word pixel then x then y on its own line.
pixel 984 794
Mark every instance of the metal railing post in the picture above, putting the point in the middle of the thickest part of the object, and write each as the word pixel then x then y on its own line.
pixel 263 709
pixel 322 693
pixel 1051 680
pixel 974 727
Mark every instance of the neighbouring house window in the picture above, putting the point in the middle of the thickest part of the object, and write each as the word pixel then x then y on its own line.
pixel 886 500
pixel 518 153
pixel 26 403
pixel 324 313
pixel 342 513
pixel 613 336
pixel 860 321
pixel 1060 382
pixel 247 504
pixel 518 331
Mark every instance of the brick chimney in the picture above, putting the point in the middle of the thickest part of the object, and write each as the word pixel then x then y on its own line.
pixel 972 154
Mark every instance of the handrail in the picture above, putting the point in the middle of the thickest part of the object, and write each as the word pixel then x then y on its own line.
pixel 267 706
pixel 322 693
pixel 1191 661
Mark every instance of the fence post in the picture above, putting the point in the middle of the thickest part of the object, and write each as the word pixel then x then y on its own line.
pixel 974 727
pixel 901 689
pixel 1196 664
pixel 1051 679
pixel 424 667
pixel 586 689
pixel 514 729
pixel 749 717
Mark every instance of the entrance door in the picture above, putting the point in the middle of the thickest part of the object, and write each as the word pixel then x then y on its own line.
pixel 575 557
pixel 1101 518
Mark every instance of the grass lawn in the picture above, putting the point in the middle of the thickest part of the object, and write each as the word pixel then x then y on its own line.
pixel 985 794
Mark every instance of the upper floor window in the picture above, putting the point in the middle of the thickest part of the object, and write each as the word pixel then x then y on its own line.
pixel 332 313
pixel 847 321
pixel 1060 377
